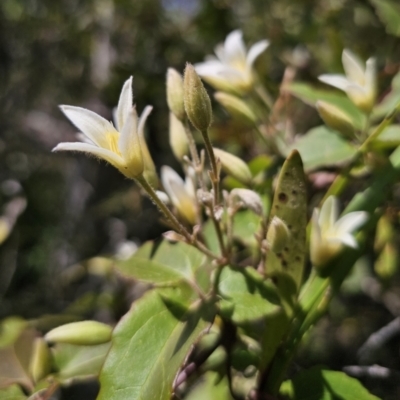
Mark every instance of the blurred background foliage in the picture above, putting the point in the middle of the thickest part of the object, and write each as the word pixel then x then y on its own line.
pixel 66 208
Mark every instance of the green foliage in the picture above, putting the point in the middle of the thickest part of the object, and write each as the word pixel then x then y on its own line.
pixel 222 306
pixel 151 342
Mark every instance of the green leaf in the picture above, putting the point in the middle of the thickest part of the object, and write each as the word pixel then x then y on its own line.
pixel 244 297
pixel 390 101
pixel 75 362
pixel 166 264
pixel 212 387
pixel 290 205
pixel 310 95
pixel 149 346
pixel 389 13
pixel 321 384
pixel 245 225
pixel 13 392
pixel 322 147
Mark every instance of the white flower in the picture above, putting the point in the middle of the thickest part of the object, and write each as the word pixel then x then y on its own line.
pixel 359 82
pixel 122 145
pixel 180 193
pixel 232 68
pixel 329 234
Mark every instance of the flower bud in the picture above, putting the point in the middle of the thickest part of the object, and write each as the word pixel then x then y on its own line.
pixel 236 107
pixel 40 362
pixel 335 118
pixel 175 93
pixel 177 137
pixel 234 166
pixel 248 198
pixel 179 194
pixel 196 100
pixel 278 235
pixel 85 333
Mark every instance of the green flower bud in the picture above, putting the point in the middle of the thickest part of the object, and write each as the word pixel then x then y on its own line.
pixel 175 93
pixel 196 100
pixel 85 333
pixel 278 235
pixel 40 362
pixel 177 137
pixel 236 107
pixel 234 166
pixel 335 118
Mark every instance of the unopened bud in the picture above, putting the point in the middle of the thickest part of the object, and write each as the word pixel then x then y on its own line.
pixel 248 198
pixel 85 333
pixel 236 107
pixel 40 362
pixel 278 235
pixel 177 137
pixel 179 195
pixel 175 93
pixel 335 118
pixel 234 166
pixel 196 100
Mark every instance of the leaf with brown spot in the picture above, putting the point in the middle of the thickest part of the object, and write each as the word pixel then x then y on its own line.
pixel 290 205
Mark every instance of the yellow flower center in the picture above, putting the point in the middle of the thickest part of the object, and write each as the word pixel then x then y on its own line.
pixel 112 140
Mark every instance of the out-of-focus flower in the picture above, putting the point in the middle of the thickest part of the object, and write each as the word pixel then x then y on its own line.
pixel 232 68
pixel 329 234
pixel 359 81
pixel 246 198
pixel 121 145
pixel 180 193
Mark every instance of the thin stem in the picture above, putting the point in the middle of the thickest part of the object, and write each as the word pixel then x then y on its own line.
pixel 173 220
pixel 214 168
pixel 218 230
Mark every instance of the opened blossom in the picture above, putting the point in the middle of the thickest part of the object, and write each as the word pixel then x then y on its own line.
pixel 359 81
pixel 122 145
pixel 329 234
pixel 232 67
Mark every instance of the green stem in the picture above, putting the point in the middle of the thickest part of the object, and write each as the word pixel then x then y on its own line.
pixel 214 168
pixel 173 220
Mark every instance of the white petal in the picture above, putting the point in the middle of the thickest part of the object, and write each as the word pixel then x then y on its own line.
pixel 209 68
pixel 329 214
pixel 129 143
pixel 337 81
pixel 180 198
pixel 113 158
pixel 255 51
pixel 124 104
pixel 370 76
pixel 143 118
pixel 349 240
pixel 235 50
pixel 163 196
pixel 91 124
pixel 353 67
pixel 220 53
pixel 350 222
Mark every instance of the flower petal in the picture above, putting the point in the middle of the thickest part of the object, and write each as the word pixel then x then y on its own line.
pixel 335 80
pixel 91 124
pixel 350 222
pixel 329 214
pixel 235 50
pixel 129 145
pixel 124 104
pixel 113 158
pixel 349 240
pixel 353 67
pixel 180 198
pixel 143 118
pixel 255 51
pixel 370 77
